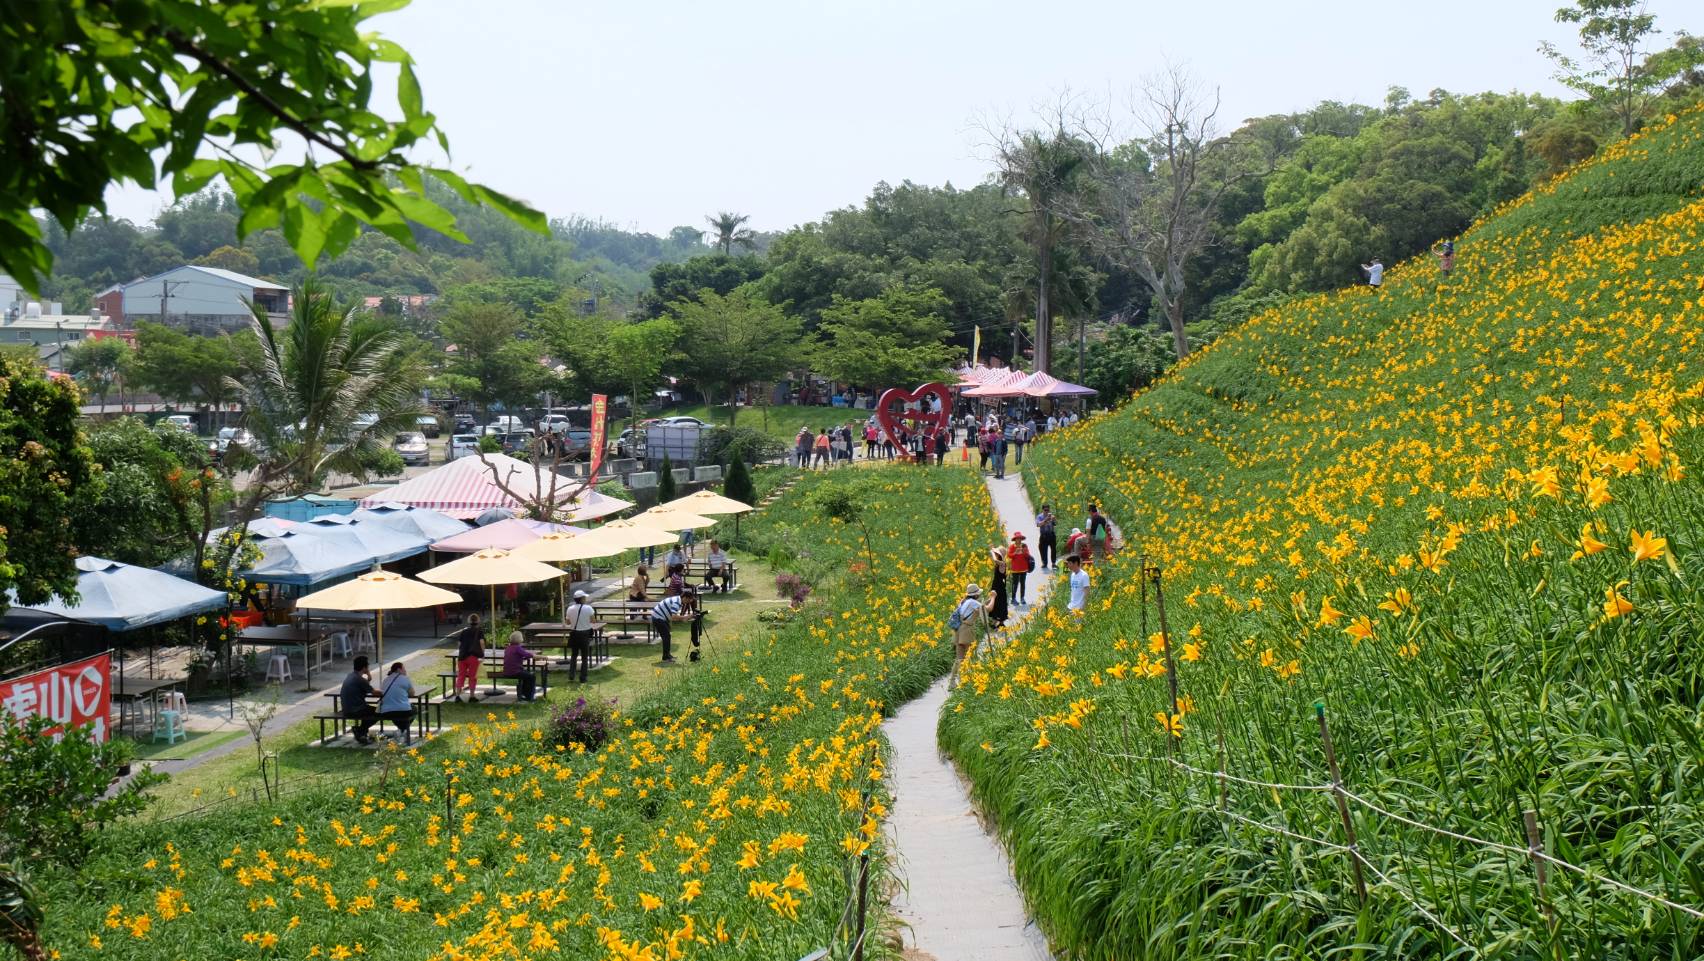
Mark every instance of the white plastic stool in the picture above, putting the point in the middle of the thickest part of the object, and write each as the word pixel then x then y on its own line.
pixel 174 701
pixel 278 669
pixel 364 641
pixel 340 646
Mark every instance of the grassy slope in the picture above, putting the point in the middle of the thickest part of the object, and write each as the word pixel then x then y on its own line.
pixel 1413 466
pixel 782 422
pixel 712 824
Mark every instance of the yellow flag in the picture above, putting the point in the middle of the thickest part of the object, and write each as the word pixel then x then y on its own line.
pixel 976 346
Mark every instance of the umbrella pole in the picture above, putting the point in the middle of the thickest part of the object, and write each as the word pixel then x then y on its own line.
pixel 493 608
pixel 379 644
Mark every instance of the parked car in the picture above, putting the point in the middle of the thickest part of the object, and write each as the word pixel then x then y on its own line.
pixel 463 445
pixel 631 443
pixel 427 424
pixel 228 436
pixel 575 442
pixel 412 447
pixel 555 422
pixel 515 442
pixel 182 422
pixel 679 421
pixel 464 424
pixel 504 425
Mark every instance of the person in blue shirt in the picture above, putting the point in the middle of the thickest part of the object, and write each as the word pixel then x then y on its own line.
pixel 396 701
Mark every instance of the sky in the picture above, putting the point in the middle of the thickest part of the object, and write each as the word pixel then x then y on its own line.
pixel 657 113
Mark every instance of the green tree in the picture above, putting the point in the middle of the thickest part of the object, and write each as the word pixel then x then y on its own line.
pixel 99 93
pixel 43 466
pixel 232 258
pixel 731 231
pixel 898 339
pixel 1618 72
pixel 1044 167
pixel 1129 358
pixel 635 356
pixel 730 341
pixel 100 365
pixel 308 387
pixel 187 368
pixel 672 283
pixel 143 505
pixel 665 481
pixel 493 353
pixel 737 484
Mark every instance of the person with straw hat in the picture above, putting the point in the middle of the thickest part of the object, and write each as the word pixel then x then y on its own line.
pixel 969 621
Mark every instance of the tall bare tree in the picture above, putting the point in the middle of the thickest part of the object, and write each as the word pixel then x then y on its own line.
pixel 1043 167
pixel 1148 204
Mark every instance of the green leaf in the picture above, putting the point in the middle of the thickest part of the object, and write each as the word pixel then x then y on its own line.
pixel 515 210
pixel 408 92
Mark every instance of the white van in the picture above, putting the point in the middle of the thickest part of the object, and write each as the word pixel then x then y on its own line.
pixel 463 445
pixel 504 425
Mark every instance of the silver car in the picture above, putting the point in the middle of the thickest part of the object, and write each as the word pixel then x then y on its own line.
pixel 412 447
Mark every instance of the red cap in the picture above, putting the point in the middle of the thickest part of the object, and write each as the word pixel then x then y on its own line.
pixel 1017 535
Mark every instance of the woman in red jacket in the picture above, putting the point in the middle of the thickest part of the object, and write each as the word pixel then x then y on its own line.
pixel 1019 562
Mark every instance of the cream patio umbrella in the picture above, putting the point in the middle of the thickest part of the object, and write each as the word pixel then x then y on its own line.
pixel 378 590
pixel 558 547
pixel 630 535
pixel 491 567
pixel 677 519
pixel 706 502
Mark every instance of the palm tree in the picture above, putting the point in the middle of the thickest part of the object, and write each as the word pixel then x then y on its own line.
pixel 1043 168
pixel 324 394
pixel 731 230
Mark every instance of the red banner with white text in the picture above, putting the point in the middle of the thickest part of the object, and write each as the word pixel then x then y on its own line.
pixel 70 695
pixel 600 409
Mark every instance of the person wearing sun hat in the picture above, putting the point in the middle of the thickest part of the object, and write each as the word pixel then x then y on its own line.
pixel 1019 562
pixel 997 587
pixel 969 622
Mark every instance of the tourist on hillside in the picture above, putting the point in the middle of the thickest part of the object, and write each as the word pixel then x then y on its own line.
pixel 578 618
pixel 716 565
pixel 998 445
pixel 870 437
pixel 1077 545
pixel 969 622
pixel 1445 253
pixel 516 660
pixel 396 701
pixel 470 653
pixel 675 583
pixel 1052 423
pixel 1018 564
pixel 1078 580
pixel 822 447
pixel 1019 439
pixel 1046 541
pixel 802 446
pixel 663 615
pixel 641 583
pixel 837 446
pixel 997 611
pixel 353 699
pixel 1374 272
pixel 1100 531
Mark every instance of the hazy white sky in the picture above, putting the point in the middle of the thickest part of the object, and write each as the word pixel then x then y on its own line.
pixel 653 114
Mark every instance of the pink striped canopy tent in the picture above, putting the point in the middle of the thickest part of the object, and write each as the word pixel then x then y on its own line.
pixel 1046 385
pixel 1003 383
pixel 503 535
pixel 464 488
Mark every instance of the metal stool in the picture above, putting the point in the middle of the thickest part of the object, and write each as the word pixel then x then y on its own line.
pixel 278 669
pixel 169 725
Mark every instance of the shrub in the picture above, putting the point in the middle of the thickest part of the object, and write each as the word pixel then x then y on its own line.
pixel 738 484
pixel 584 723
pixel 729 445
pixel 666 481
pixel 792 587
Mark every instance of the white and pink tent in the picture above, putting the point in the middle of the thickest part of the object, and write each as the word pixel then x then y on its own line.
pixel 465 488
pixel 1019 384
pixel 999 383
pixel 1046 385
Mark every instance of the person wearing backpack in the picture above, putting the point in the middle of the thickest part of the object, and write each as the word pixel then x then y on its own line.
pixel 1100 531
pixel 578 619
pixel 1047 543
pixel 969 621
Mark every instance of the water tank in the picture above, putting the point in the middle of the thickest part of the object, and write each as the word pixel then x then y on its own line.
pixel 33 310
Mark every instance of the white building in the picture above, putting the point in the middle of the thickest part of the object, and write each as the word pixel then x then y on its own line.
pixel 11 295
pixel 204 299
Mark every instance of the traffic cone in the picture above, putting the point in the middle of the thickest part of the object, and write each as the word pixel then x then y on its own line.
pixel 964 454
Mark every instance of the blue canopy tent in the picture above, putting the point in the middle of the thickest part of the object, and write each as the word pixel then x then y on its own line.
pixel 411 520
pixel 381 544
pixel 299 558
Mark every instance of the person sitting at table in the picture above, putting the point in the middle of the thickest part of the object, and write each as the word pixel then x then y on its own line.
pixel 716 565
pixel 673 558
pixel 470 652
pixel 578 619
pixel 641 582
pixel 663 615
pixel 676 584
pixel 515 661
pixel 356 689
pixel 396 701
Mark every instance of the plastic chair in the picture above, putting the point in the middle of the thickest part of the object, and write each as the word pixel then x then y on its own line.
pixel 364 641
pixel 278 669
pixel 340 646
pixel 174 701
pixel 169 725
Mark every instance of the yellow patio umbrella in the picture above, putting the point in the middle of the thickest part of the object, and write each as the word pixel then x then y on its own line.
pixel 491 567
pixel 632 535
pixel 379 591
pixel 706 502
pixel 559 547
pixel 672 520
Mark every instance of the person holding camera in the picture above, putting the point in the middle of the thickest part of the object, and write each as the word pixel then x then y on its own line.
pixel 663 616
pixel 578 619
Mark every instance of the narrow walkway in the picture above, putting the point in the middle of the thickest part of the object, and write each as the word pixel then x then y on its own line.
pixel 958 898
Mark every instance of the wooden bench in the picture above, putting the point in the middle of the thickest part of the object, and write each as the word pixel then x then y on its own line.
pixel 426 709
pixel 493 670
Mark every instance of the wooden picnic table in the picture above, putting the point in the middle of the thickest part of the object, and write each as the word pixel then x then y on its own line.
pixel 492 665
pixel 554 635
pixel 133 693
pixel 313 650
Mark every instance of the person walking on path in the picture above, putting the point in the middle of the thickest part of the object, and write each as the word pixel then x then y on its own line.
pixel 1020 437
pixel 1374 272
pixel 997 608
pixel 470 652
pixel 1100 532
pixel 1018 564
pixel 969 622
pixel 822 447
pixel 578 618
pixel 943 441
pixel 870 441
pixel 984 449
pixel 1046 540
pixel 517 664
pixel 1078 580
pixel 802 447
pixel 999 446
pixel 353 699
pixel 396 701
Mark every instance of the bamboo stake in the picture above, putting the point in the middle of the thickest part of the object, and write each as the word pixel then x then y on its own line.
pixel 1342 803
pixel 1535 847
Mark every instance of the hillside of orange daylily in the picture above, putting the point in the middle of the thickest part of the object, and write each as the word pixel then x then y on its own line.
pixel 1436 509
pixel 718 822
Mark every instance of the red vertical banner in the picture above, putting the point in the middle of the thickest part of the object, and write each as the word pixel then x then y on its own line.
pixel 600 417
pixel 69 695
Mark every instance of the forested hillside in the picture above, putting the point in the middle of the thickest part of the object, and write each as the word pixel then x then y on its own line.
pixel 1460 514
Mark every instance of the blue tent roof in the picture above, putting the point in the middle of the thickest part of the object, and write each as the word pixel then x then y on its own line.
pixel 305 559
pixel 412 520
pixel 383 545
pixel 123 597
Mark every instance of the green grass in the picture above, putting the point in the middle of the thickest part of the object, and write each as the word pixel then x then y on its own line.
pixel 782 422
pixel 197 742
pixel 1373 501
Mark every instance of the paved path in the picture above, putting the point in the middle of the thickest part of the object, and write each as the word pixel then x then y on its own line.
pixel 958 897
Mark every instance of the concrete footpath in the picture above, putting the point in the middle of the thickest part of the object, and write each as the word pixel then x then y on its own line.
pixel 957 897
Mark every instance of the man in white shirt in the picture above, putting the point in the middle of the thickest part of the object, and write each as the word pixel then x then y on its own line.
pixel 578 618
pixel 1078 579
pixel 1374 272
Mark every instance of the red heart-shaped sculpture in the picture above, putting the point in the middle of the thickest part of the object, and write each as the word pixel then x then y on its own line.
pixel 899 421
